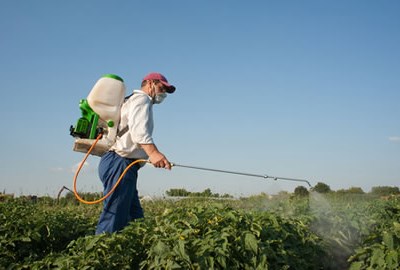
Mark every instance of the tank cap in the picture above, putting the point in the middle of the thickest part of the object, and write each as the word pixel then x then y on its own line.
pixel 113 76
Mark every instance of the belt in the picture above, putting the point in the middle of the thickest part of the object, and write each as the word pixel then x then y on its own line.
pixel 130 159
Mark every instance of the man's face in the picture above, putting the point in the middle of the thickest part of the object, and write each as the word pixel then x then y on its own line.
pixel 158 92
pixel 157 88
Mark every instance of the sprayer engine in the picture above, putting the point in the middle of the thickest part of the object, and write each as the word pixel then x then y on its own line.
pixel 100 114
pixel 86 127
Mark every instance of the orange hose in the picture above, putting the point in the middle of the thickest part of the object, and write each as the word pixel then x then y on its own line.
pixel 113 188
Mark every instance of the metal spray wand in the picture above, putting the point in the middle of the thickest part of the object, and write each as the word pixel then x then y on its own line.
pixel 242 173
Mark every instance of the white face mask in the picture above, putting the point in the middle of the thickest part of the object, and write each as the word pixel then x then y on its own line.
pixel 159 98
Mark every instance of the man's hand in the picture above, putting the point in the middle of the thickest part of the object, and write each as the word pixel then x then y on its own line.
pixel 160 161
pixel 156 157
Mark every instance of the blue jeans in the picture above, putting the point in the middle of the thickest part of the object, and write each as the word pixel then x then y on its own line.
pixel 123 205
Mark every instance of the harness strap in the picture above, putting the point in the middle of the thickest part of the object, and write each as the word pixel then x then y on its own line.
pixel 122 131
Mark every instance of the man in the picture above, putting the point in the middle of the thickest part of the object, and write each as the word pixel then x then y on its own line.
pixel 134 141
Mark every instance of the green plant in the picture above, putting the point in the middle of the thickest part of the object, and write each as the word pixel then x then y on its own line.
pixel 381 249
pixel 30 231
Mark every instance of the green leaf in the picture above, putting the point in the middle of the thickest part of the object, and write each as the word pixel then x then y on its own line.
pixel 396 228
pixel 160 248
pixel 251 243
pixel 26 239
pixel 392 259
pixel 92 243
pixel 388 240
pixel 222 261
pixel 377 258
pixel 356 266
pixel 180 250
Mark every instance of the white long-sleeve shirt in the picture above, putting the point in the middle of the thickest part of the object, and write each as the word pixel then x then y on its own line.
pixel 137 114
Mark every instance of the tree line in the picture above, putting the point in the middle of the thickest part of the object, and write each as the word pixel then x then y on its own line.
pixel 300 190
pixel 324 188
pixel 181 192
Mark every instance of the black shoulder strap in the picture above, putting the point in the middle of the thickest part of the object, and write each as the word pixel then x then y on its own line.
pixel 127 97
pixel 122 131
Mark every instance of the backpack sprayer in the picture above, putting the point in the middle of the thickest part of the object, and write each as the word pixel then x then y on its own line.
pixel 100 115
pixel 96 130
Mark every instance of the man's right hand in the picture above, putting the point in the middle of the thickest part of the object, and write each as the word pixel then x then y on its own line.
pixel 156 157
pixel 160 161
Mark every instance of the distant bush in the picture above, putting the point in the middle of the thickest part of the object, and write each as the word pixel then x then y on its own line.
pixel 352 190
pixel 385 190
pixel 181 192
pixel 301 191
pixel 177 192
pixel 322 188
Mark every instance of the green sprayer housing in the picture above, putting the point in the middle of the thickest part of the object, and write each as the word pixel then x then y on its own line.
pixel 86 126
pixel 100 115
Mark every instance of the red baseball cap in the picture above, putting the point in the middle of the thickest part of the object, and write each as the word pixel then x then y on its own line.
pixel 162 79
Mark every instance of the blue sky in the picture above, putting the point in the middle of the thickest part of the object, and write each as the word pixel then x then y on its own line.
pixel 303 89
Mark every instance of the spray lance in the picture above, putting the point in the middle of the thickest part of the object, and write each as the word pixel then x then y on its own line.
pixel 241 173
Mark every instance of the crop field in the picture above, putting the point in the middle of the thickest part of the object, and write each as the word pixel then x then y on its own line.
pixel 286 231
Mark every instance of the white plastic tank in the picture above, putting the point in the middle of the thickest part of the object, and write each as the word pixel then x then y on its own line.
pixel 105 99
